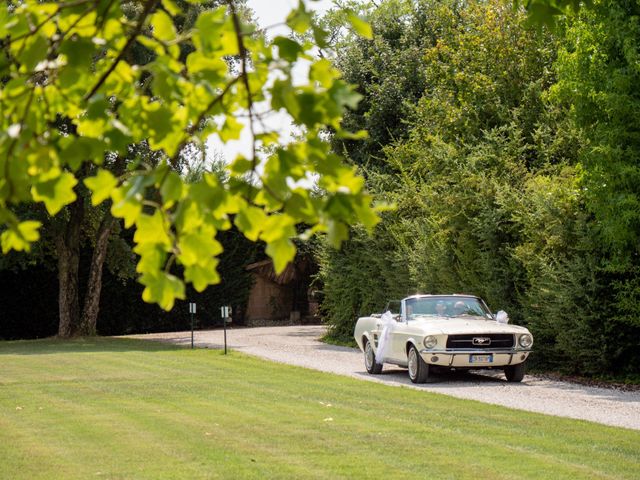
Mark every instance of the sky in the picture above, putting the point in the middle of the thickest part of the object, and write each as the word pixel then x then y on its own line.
pixel 267 13
pixel 270 12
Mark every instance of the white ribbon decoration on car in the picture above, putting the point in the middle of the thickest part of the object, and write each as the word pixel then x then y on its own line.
pixel 387 324
pixel 502 317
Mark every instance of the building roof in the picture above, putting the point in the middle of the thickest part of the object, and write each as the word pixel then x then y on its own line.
pixel 266 270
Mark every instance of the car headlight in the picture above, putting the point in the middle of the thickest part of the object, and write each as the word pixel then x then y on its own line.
pixel 525 340
pixel 430 341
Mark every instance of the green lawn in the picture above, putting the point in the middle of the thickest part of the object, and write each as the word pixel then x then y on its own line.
pixel 106 408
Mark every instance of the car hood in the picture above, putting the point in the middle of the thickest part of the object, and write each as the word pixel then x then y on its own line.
pixel 449 326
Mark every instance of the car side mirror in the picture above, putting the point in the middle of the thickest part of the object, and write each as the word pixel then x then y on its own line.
pixel 502 317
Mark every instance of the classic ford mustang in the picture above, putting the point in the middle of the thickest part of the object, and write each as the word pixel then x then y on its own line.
pixel 428 332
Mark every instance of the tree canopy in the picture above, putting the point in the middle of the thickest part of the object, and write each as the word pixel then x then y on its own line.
pixel 73 97
pixel 513 170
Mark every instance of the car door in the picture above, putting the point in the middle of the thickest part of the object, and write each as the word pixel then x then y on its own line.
pixel 398 343
pixel 399 337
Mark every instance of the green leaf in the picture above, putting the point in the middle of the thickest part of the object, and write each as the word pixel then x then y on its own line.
pixel 20 237
pixel 229 43
pixel 320 36
pixel 323 72
pixel 197 247
pixel 284 96
pixel 55 192
pixel 209 26
pixel 544 13
pixel 299 20
pixel 212 69
pixel 152 258
pixel 301 206
pixel 281 251
pixel 251 220
pixel 79 52
pixel 5 17
pixel 338 232
pixel 101 186
pixel 361 27
pixel 345 94
pixel 163 126
pixel 241 165
pixel 171 189
pixel 268 138
pixel 113 29
pixel 359 135
pixel 208 194
pixel 151 229
pixel 311 106
pixel 366 215
pixel 231 130
pixel 152 44
pixel 202 275
pixel 171 7
pixel 36 51
pixel 163 27
pixel 94 124
pixel 162 288
pixel 125 206
pixel 86 26
pixel 278 226
pixel 81 149
pixel 287 48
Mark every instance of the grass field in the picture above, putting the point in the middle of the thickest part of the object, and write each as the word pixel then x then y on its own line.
pixel 111 408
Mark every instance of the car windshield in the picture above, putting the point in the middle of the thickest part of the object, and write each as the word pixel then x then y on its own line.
pixel 447 306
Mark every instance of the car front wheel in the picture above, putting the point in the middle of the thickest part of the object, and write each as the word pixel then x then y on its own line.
pixel 418 369
pixel 370 363
pixel 514 373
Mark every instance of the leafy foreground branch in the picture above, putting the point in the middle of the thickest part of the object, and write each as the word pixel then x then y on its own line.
pixel 74 100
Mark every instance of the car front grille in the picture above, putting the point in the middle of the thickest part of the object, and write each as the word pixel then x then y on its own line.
pixel 481 341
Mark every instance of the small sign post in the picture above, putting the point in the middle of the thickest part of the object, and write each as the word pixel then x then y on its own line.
pixel 225 313
pixel 192 311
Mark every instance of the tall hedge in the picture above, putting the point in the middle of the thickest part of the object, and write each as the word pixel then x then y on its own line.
pixel 493 191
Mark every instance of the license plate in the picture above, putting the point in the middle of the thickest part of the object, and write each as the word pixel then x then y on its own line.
pixel 480 358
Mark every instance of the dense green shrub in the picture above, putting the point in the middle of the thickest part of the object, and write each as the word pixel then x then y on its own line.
pixel 598 76
pixel 494 194
pixel 466 150
pixel 360 278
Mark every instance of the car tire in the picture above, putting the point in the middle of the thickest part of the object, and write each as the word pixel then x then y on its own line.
pixel 370 363
pixel 514 373
pixel 418 368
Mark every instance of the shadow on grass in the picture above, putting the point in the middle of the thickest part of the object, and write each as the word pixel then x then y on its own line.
pixel 83 345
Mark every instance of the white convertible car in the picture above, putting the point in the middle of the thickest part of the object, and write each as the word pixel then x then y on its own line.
pixel 427 332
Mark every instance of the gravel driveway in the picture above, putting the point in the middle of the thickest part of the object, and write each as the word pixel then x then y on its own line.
pixel 299 345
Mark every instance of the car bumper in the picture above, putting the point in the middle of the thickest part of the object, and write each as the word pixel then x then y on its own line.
pixel 474 358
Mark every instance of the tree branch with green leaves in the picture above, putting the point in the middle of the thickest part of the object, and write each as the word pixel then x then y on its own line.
pixel 71 61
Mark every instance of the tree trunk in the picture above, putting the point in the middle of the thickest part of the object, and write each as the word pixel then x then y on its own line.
pixel 68 249
pixel 94 284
